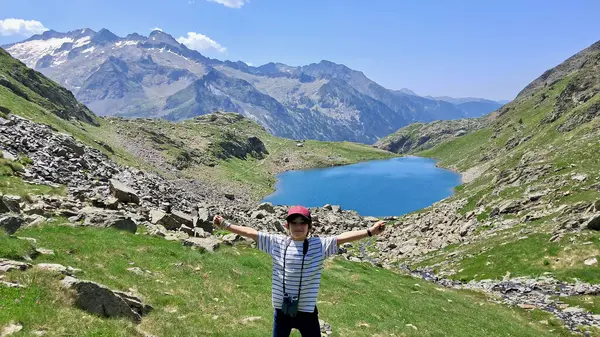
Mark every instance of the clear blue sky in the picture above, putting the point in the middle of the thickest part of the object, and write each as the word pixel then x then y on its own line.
pixel 479 48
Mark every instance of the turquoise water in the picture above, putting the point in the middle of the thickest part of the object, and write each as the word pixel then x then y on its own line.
pixel 378 188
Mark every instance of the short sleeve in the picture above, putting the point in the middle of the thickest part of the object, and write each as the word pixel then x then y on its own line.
pixel 329 245
pixel 266 242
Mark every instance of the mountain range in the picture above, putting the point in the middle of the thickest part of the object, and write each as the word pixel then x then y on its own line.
pixel 158 77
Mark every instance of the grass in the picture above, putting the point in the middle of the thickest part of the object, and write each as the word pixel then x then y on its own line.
pixel 13 185
pixel 456 152
pixel 13 248
pixel 522 255
pixel 210 294
pixel 16 186
pixel 590 303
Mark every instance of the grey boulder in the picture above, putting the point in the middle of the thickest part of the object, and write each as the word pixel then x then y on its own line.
pixel 207 244
pixel 123 192
pixel 99 300
pixel 98 217
pixel 11 223
pixel 12 203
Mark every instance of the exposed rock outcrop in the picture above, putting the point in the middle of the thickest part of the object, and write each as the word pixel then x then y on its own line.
pixel 100 300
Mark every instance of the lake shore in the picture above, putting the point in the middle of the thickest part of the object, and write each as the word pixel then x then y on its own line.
pixel 379 188
pixel 468 175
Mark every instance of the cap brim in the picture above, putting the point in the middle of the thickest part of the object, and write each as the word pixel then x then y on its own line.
pixel 297 214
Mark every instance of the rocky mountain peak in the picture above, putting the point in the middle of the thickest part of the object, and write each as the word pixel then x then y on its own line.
pixel 328 69
pixel 135 37
pixel 289 101
pixel 47 35
pixel 80 33
pixel 105 36
pixel 212 75
pixel 406 92
pixel 158 37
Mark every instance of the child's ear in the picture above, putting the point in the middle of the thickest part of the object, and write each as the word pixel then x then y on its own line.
pixel 287 225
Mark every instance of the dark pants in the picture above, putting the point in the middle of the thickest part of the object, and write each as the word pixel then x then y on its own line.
pixel 306 322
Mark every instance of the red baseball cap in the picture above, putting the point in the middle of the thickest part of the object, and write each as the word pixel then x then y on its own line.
pixel 299 210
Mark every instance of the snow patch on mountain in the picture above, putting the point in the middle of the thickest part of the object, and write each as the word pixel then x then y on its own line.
pixel 89 50
pixel 31 52
pixel 81 42
pixel 60 58
pixel 126 43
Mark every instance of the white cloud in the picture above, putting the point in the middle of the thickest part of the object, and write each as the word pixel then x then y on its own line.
pixel 21 27
pixel 191 2
pixel 201 42
pixel 156 28
pixel 231 3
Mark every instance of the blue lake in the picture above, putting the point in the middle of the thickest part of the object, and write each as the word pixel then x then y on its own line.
pixel 378 188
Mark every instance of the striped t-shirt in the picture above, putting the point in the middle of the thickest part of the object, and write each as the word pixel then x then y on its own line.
pixel 319 248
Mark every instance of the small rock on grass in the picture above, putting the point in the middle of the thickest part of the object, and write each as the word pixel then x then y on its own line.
pixel 326 329
pixel 99 300
pixel 136 270
pixel 230 238
pixel 250 319
pixel 412 326
pixel 10 329
pixel 55 267
pixel 574 310
pixel 31 240
pixel 44 251
pixel 8 265
pixel 11 284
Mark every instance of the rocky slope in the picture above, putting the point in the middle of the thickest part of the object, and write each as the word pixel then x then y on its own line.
pixel 420 136
pixel 156 76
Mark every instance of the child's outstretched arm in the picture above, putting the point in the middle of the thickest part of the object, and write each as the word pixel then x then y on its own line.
pixel 376 229
pixel 241 230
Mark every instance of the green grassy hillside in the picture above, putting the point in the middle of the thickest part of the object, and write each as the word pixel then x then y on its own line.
pixel 541 152
pixel 196 294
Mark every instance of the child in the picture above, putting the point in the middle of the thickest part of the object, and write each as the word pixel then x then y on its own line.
pixel 297 265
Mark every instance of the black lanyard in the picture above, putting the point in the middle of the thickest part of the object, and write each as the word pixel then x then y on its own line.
pixel 304 250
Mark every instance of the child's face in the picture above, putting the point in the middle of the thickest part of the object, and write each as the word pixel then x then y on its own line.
pixel 298 228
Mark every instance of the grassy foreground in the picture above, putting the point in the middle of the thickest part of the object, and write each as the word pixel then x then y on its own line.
pixel 195 294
